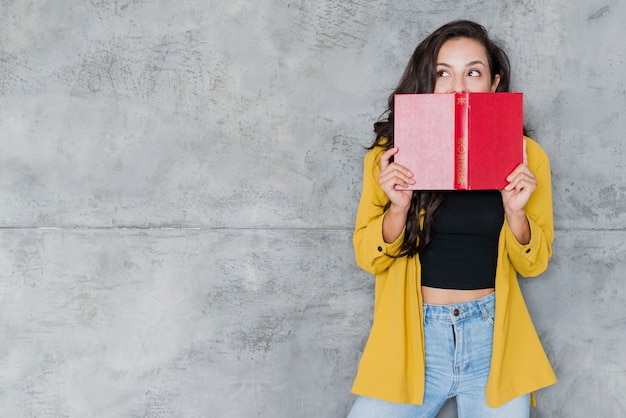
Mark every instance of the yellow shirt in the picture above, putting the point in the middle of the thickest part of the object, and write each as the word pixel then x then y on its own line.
pixel 392 364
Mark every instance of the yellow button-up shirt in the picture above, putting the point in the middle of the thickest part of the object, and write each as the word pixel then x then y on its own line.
pixel 392 364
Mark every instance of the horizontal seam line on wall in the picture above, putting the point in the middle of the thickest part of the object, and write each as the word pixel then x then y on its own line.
pixel 174 228
pixel 235 228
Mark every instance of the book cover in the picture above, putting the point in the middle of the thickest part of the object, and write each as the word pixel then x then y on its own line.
pixel 459 141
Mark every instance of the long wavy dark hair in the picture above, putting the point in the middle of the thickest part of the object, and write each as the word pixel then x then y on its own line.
pixel 420 76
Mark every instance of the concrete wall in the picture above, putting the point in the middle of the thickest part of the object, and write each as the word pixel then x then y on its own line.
pixel 178 182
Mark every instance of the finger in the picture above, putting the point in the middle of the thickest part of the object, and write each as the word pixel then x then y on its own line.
pixel 525 154
pixel 521 180
pixel 384 159
pixel 521 175
pixel 515 173
pixel 520 170
pixel 395 175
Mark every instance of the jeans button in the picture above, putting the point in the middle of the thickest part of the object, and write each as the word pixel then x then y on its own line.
pixel 456 312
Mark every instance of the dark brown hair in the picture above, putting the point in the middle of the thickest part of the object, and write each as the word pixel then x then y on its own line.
pixel 420 76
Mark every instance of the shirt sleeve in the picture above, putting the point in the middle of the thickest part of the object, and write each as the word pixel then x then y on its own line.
pixel 532 259
pixel 371 251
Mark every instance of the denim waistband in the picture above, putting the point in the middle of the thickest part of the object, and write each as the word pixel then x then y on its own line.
pixel 456 312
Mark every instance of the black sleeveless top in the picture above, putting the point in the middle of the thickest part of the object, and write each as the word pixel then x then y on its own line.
pixel 463 251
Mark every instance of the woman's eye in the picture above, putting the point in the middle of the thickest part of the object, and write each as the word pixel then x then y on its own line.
pixel 442 73
pixel 474 73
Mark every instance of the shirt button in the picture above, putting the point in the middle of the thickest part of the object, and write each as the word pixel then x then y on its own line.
pixel 527 250
pixel 380 249
pixel 456 312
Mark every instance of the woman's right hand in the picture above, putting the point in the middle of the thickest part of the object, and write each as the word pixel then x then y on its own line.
pixel 392 174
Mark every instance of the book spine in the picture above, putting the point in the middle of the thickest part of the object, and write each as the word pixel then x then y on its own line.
pixel 461 137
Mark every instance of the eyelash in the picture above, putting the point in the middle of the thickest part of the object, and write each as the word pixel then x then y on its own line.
pixel 442 73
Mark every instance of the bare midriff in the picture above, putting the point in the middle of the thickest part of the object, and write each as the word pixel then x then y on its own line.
pixel 437 296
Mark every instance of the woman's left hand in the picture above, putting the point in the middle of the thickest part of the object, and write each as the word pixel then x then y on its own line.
pixel 515 196
pixel 522 184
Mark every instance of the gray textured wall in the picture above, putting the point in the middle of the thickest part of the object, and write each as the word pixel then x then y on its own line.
pixel 178 182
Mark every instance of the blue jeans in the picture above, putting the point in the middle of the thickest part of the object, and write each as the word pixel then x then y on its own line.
pixel 458 341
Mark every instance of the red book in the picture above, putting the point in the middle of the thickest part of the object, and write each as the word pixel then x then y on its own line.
pixel 459 141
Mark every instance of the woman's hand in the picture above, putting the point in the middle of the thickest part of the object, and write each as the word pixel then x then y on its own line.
pixel 392 174
pixel 515 196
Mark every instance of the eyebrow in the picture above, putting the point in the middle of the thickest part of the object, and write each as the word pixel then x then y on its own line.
pixel 469 64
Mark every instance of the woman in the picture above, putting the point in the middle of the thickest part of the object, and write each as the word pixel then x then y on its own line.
pixel 449 316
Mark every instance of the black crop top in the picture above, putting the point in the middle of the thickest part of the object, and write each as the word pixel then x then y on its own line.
pixel 463 251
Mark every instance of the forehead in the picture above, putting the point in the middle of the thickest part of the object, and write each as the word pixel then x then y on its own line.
pixel 462 49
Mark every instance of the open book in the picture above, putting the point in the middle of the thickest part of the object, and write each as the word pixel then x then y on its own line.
pixel 459 141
